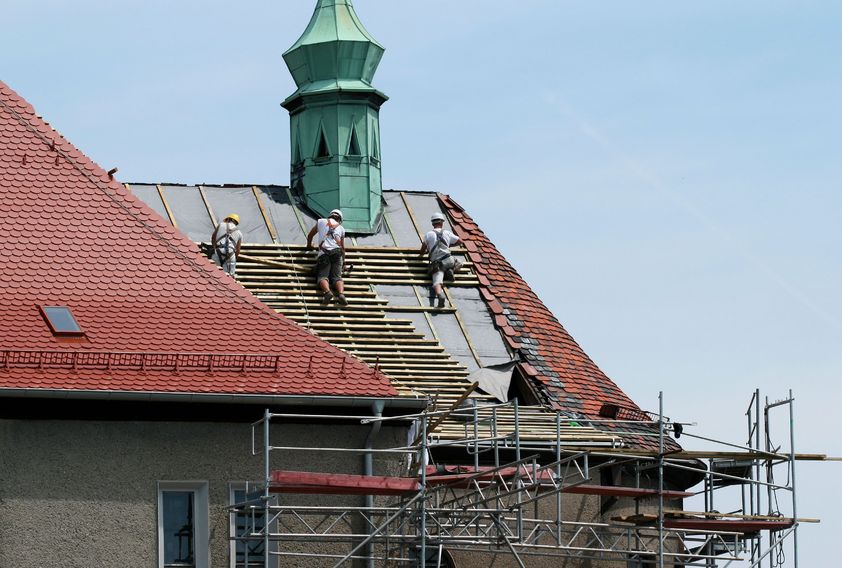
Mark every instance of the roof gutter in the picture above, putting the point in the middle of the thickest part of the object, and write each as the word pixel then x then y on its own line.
pixel 256 399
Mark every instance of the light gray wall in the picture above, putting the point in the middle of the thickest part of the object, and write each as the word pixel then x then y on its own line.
pixel 84 494
pixel 580 508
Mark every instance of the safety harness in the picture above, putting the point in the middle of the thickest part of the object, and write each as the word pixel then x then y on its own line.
pixel 331 233
pixel 441 245
pixel 327 255
pixel 224 252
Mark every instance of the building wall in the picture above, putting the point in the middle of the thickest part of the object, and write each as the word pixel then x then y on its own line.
pixel 576 511
pixel 574 508
pixel 78 493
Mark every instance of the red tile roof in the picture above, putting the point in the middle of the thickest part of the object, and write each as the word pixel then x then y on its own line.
pixel 77 238
pixel 570 379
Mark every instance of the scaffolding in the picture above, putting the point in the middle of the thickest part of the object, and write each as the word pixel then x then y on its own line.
pixel 509 500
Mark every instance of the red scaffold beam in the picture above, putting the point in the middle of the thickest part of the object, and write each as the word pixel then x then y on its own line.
pixel 741 526
pixel 340 484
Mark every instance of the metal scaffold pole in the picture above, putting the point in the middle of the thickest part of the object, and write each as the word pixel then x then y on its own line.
pixel 661 479
pixel 266 487
pixel 422 504
pixel 558 475
pixel 498 505
pixel 792 477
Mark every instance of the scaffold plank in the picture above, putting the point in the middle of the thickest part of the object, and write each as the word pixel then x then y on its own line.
pixel 340 484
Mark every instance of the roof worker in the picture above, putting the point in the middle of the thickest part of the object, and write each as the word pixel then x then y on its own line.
pixel 226 240
pixel 436 246
pixel 331 256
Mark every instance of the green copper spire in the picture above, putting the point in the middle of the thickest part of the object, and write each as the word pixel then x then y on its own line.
pixel 335 116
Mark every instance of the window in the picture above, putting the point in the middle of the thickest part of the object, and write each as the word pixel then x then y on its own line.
pixel 246 552
pixel 61 320
pixel 323 150
pixel 296 148
pixel 375 147
pixel 182 524
pixel 354 143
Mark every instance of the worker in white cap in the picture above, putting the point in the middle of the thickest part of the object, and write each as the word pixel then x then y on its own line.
pixel 331 256
pixel 226 240
pixel 436 246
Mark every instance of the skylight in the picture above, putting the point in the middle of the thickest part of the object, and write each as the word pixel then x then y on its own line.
pixel 61 320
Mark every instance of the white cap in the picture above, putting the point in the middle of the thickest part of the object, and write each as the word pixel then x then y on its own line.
pixel 437 217
pixel 336 212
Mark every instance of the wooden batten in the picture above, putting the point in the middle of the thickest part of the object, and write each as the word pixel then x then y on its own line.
pixel 369 328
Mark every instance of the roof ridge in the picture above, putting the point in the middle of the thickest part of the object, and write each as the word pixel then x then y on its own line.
pixel 229 185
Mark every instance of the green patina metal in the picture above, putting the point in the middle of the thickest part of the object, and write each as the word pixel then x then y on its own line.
pixel 335 117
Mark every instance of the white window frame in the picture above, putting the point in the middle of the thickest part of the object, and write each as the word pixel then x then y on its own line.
pixel 232 547
pixel 201 508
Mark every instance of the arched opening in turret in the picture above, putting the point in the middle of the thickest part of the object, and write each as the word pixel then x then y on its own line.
pixel 375 147
pixel 322 149
pixel 354 143
pixel 296 149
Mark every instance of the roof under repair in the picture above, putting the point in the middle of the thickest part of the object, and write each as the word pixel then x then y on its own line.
pixel 136 285
pixel 493 316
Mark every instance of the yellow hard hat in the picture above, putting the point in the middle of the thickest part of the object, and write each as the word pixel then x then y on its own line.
pixel 234 217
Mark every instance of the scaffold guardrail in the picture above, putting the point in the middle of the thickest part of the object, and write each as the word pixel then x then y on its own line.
pixel 511 501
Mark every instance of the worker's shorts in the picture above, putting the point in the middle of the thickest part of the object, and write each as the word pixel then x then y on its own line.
pixel 440 267
pixel 329 266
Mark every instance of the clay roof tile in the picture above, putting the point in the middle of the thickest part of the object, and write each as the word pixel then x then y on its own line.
pixel 134 284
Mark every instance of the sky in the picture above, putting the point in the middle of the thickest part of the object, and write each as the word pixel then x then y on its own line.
pixel 666 175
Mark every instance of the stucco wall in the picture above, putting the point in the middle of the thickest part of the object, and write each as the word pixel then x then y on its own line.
pixel 574 508
pixel 84 494
pixel 77 493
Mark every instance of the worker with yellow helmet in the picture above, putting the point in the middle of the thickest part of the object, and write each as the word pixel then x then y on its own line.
pixel 226 240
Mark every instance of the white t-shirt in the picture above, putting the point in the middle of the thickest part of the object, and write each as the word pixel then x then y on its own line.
pixel 229 232
pixel 330 233
pixel 438 250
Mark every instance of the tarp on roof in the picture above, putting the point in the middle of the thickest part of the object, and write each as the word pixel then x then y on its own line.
pixel 403 230
pixel 423 206
pixel 480 326
pixel 239 200
pixel 188 208
pixel 495 380
pixel 149 194
pixel 382 238
pixel 450 335
pixel 401 297
pixel 282 215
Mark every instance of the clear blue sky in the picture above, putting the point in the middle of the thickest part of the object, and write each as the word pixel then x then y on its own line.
pixel 666 175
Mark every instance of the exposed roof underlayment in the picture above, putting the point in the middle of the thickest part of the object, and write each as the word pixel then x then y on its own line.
pixel 492 315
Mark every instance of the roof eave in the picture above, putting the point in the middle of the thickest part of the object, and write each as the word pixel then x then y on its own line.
pixel 220 398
